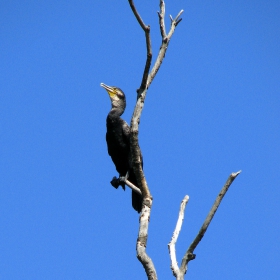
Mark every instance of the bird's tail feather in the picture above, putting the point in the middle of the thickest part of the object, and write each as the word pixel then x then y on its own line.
pixel 137 201
pixel 136 197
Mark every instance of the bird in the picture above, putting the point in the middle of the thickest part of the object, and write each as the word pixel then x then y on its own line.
pixel 118 141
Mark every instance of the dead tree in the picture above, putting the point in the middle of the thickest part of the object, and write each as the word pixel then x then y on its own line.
pixel 148 76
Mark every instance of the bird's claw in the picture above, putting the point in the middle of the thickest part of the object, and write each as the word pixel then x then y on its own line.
pixel 126 176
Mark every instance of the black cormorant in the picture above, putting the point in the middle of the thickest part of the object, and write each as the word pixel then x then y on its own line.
pixel 118 143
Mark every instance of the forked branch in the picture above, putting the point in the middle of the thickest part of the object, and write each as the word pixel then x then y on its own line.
pixel 179 273
pixel 142 91
pixel 165 40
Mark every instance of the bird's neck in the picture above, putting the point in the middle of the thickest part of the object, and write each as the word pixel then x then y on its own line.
pixel 118 107
pixel 116 112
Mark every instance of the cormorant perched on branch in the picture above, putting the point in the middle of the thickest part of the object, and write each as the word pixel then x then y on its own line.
pixel 118 143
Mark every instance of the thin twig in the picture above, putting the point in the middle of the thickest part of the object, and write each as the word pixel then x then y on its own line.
pixel 148 60
pixel 179 14
pixel 130 185
pixel 189 254
pixel 171 245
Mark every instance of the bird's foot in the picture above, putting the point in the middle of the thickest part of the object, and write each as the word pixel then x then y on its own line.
pixel 116 182
pixel 122 181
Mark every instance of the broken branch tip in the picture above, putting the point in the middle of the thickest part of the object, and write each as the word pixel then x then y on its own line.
pixel 236 173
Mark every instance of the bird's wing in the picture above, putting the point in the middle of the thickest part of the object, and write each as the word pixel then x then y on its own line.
pixel 126 133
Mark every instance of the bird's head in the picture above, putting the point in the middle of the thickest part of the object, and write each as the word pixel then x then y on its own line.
pixel 116 95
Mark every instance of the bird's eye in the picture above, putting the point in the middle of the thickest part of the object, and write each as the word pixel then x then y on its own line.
pixel 120 95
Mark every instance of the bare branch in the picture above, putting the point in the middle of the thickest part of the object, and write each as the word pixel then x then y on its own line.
pixel 189 254
pixel 134 146
pixel 116 182
pixel 146 207
pixel 163 49
pixel 130 185
pixel 142 240
pixel 135 12
pixel 171 246
pixel 161 15
pixel 136 163
pixel 148 61
pixel 146 29
pixel 179 14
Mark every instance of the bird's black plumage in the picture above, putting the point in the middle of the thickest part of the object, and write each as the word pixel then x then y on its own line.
pixel 118 142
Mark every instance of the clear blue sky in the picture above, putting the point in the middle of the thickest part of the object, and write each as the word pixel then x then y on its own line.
pixel 213 109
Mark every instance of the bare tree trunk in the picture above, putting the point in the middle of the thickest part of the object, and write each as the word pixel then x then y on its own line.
pixel 134 128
